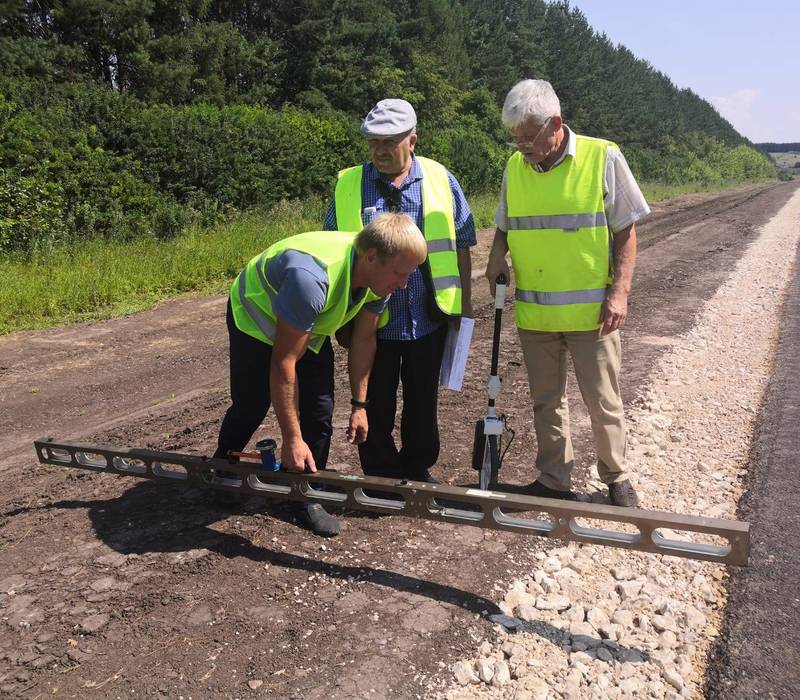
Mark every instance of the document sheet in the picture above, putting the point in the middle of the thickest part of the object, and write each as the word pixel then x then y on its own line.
pixel 456 351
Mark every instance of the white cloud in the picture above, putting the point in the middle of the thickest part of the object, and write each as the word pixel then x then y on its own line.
pixel 736 106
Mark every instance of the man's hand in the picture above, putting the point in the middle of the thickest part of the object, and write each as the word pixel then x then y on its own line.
pixel 613 312
pixel 359 426
pixel 496 266
pixel 296 456
pixel 359 365
pixel 615 308
pixel 497 260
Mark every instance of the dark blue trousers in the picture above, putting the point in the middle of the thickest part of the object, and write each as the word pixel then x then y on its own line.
pixel 250 394
pixel 417 364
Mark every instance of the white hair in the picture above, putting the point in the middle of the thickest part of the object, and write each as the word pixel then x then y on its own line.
pixel 530 100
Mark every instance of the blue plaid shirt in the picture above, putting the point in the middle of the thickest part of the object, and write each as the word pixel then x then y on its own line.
pixel 408 308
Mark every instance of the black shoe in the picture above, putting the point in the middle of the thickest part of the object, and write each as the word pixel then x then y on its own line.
pixel 623 494
pixel 427 478
pixel 317 519
pixel 537 488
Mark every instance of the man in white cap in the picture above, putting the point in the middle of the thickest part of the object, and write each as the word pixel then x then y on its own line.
pixel 414 326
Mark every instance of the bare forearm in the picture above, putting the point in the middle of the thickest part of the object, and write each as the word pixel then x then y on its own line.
pixel 283 392
pixel 497 265
pixel 465 273
pixel 359 365
pixel 362 353
pixel 624 260
pixel 499 244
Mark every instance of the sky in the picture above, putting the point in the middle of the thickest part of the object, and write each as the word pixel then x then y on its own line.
pixel 743 57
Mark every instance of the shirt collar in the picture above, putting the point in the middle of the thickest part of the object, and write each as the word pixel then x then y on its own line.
pixel 413 175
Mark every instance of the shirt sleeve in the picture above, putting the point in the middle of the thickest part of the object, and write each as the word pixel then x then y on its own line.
pixel 302 288
pixel 501 215
pixel 462 216
pixel 330 216
pixel 624 202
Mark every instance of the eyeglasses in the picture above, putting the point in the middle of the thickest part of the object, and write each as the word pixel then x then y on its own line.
pixel 528 145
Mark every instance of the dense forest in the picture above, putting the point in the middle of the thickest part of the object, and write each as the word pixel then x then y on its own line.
pixel 778 147
pixel 128 118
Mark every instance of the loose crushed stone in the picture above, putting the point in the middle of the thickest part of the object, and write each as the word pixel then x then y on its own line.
pixel 607 623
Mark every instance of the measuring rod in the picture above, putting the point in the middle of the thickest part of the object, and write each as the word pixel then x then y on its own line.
pixel 693 537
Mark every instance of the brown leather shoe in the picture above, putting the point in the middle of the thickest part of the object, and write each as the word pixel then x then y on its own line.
pixel 537 488
pixel 623 494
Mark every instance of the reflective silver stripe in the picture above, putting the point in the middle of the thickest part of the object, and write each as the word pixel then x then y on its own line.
pixel 263 280
pixel 442 245
pixel 579 296
pixel 316 341
pixel 566 222
pixel 447 282
pixel 263 323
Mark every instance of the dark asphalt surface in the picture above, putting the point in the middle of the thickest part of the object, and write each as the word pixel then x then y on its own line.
pixel 758 653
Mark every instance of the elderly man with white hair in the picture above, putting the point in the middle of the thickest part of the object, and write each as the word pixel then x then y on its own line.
pixel 567 213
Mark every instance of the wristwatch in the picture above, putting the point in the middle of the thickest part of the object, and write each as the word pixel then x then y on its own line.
pixel 355 403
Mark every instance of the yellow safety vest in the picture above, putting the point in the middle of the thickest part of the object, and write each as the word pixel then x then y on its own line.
pixel 252 294
pixel 559 241
pixel 438 227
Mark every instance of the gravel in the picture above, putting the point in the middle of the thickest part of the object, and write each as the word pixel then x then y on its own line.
pixel 629 623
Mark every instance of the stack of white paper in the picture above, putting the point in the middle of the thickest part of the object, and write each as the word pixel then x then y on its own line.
pixel 456 351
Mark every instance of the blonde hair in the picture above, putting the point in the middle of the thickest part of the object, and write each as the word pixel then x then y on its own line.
pixel 390 234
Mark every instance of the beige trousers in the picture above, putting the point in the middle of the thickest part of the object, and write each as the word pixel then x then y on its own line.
pixel 596 359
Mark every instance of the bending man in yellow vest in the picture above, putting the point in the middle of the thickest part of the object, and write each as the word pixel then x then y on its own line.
pixel 414 326
pixel 567 213
pixel 283 309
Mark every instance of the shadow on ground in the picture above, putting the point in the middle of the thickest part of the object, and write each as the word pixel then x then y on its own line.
pixel 150 518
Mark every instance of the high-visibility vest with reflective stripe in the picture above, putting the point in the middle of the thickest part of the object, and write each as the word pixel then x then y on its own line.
pixel 438 227
pixel 559 241
pixel 252 294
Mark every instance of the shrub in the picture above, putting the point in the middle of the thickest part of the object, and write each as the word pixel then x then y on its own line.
pixel 31 213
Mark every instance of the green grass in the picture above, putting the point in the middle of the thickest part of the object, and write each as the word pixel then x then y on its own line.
pixel 483 207
pixel 93 280
pixel 786 159
pixel 99 279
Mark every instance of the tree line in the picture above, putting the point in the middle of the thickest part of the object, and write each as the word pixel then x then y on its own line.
pixel 771 147
pixel 128 118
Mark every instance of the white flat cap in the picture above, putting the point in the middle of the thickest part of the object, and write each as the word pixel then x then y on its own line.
pixel 389 118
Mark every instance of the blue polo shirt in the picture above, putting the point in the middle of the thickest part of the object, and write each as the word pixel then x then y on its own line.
pixel 302 285
pixel 408 308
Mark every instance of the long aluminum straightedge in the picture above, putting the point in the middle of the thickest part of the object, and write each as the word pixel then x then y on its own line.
pixel 711 539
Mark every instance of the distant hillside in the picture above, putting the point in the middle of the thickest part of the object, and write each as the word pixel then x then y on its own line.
pixel 786 157
pixel 130 118
pixel 778 147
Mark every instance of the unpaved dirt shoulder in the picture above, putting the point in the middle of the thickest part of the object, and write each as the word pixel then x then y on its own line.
pixel 111 586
